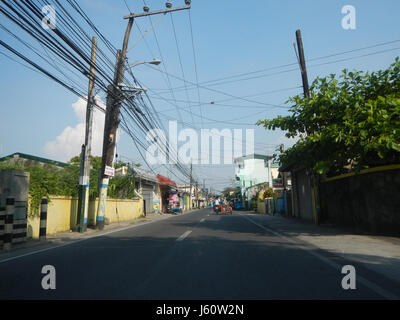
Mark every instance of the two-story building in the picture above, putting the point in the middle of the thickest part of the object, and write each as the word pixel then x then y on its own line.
pixel 253 170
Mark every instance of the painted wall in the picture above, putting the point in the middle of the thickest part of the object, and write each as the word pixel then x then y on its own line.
pixel 367 202
pixel 261 208
pixel 62 214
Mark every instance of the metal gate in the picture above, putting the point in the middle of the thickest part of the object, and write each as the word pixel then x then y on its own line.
pixel 147 193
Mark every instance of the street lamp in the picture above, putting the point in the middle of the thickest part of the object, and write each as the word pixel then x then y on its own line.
pixel 155 62
pixel 136 89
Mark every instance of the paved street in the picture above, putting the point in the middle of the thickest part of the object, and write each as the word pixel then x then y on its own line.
pixel 198 255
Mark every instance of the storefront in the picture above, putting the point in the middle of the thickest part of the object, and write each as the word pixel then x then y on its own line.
pixel 147 185
pixel 167 188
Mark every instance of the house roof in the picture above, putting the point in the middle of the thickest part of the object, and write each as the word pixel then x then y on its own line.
pixel 34 158
pixel 146 175
pixel 164 181
pixel 254 156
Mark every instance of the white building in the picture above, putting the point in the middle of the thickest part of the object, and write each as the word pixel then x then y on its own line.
pixel 253 169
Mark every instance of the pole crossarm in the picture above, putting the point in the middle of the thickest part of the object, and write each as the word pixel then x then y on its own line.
pixel 144 14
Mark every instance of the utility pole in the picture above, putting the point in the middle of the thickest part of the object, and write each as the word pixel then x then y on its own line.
pixel 197 194
pixel 191 181
pixel 314 178
pixel 270 182
pixel 111 126
pixel 84 180
pixel 302 62
pixel 204 191
pixel 114 97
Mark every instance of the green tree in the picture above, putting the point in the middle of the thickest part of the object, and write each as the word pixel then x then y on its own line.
pixel 347 124
pixel 231 193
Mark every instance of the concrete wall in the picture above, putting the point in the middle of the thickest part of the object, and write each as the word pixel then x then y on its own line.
pixel 119 210
pixel 304 196
pixel 365 202
pixel 261 207
pixel 62 214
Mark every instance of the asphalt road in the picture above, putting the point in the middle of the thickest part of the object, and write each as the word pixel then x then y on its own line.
pixel 198 255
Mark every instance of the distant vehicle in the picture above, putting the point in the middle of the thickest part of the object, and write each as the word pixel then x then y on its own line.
pixel 239 205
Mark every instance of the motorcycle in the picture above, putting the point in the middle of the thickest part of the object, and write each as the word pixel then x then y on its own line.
pixel 216 208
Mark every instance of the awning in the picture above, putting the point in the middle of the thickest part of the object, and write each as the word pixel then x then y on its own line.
pixel 164 181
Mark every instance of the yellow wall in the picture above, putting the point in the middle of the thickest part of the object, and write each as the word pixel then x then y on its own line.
pixel 261 207
pixel 117 210
pixel 62 214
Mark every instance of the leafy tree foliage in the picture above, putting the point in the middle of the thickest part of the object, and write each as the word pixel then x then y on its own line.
pixel 231 193
pixel 347 124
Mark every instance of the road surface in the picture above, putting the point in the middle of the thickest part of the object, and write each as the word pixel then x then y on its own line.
pixel 198 255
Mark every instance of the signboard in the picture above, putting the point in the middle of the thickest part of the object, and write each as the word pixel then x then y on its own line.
pixel 156 206
pixel 109 171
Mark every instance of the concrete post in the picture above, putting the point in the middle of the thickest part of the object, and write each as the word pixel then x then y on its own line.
pixel 2 220
pixel 8 226
pixel 43 219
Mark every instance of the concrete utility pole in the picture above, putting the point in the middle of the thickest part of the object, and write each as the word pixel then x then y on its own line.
pixel 84 180
pixel 114 97
pixel 270 182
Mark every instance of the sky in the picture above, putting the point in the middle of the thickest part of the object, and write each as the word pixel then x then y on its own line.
pixel 39 117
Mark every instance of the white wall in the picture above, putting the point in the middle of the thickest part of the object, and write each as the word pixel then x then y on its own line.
pixel 255 171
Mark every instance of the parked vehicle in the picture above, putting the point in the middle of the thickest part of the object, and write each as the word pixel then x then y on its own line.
pixel 176 208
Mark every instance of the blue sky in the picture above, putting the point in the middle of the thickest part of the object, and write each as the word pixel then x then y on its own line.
pixel 230 37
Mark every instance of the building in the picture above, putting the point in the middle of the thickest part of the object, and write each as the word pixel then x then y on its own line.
pixel 146 183
pixel 302 193
pixel 167 187
pixel 146 187
pixel 27 160
pixel 253 170
pixel 184 194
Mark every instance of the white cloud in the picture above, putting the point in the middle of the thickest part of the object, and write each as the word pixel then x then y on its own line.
pixel 69 143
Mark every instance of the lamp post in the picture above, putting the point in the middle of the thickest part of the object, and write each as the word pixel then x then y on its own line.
pixel 155 62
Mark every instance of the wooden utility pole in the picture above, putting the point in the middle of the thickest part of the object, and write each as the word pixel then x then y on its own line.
pixel 314 179
pixel 302 62
pixel 114 97
pixel 84 181
pixel 191 182
pixel 111 125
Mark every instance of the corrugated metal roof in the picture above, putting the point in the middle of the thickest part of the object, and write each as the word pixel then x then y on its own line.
pixel 146 175
pixel 34 158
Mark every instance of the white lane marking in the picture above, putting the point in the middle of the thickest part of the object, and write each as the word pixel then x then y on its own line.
pixel 377 289
pixel 80 240
pixel 202 220
pixel 184 235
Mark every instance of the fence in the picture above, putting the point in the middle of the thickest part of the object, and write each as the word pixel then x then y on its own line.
pixel 368 201
pixel 12 227
pixel 62 214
